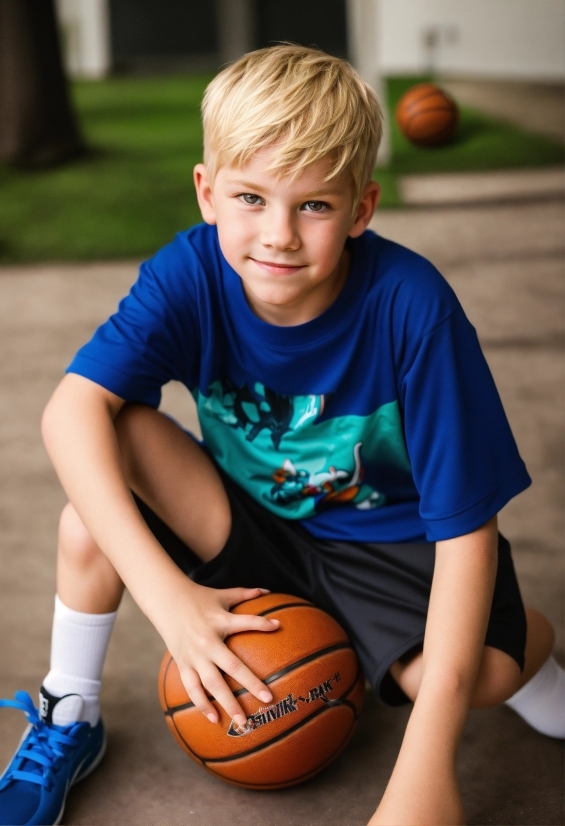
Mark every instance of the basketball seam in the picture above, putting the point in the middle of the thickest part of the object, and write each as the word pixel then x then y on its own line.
pixel 260 746
pixel 408 106
pixel 339 701
pixel 296 780
pixel 191 753
pixel 305 603
pixel 429 112
pixel 419 99
pixel 272 677
pixel 444 106
pixel 287 605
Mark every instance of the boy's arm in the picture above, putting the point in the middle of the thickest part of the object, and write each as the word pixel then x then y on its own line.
pixel 80 438
pixel 423 787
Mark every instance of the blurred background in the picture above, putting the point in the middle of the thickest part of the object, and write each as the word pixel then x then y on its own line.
pixel 102 168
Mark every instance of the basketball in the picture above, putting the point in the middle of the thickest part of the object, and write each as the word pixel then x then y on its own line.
pixel 317 687
pixel 427 115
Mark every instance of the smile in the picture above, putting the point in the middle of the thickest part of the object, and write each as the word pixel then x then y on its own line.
pixel 278 269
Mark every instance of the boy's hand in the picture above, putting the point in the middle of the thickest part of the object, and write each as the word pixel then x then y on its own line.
pixel 198 648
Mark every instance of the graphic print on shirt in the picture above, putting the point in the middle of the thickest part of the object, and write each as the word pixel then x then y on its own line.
pixel 277 449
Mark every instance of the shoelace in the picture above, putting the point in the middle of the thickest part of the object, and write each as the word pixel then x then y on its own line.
pixel 44 745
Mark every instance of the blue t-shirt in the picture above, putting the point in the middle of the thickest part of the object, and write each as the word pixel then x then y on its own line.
pixel 377 421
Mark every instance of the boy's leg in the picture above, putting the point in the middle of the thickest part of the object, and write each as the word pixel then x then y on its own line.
pixel 86 580
pixel 540 699
pixel 538 694
pixel 172 474
pixel 540 639
pixel 498 678
pixel 65 739
pixel 88 595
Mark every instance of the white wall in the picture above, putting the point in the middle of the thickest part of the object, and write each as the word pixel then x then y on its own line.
pixel 490 38
pixel 86 36
pixel 362 26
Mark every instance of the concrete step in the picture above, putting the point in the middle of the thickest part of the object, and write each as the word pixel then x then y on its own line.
pixel 454 188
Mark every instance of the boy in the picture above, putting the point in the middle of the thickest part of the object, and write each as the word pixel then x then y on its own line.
pixel 355 453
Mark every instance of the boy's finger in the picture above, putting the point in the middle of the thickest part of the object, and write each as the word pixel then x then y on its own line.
pixel 214 683
pixel 232 665
pixel 233 596
pixel 198 696
pixel 250 622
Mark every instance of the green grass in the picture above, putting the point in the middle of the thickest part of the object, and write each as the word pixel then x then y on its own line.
pixel 134 190
pixel 130 195
pixel 481 143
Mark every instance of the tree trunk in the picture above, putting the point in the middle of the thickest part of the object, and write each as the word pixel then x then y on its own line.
pixel 37 124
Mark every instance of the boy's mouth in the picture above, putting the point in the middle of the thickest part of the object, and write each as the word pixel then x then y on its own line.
pixel 278 269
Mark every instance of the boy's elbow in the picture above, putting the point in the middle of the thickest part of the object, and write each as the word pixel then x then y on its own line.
pixel 77 399
pixel 64 403
pixel 51 417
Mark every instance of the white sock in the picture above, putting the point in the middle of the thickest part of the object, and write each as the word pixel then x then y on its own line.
pixel 541 702
pixel 78 648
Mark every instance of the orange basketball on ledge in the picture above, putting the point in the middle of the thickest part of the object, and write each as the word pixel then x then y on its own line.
pixel 427 115
pixel 317 687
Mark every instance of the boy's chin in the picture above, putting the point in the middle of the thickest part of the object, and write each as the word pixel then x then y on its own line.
pixel 273 304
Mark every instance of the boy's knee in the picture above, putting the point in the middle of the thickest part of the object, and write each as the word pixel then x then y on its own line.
pixel 541 633
pixel 75 542
pixel 498 680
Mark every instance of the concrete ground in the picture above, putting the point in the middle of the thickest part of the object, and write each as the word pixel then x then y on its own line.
pixel 506 263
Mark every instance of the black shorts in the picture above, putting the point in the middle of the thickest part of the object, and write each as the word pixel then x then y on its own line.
pixel 378 592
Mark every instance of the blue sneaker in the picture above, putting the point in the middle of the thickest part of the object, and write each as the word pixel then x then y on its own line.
pixel 48 760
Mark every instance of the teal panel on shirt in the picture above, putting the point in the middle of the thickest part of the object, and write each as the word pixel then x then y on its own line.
pixel 277 450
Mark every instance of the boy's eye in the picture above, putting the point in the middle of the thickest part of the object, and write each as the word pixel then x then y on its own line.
pixel 314 206
pixel 249 198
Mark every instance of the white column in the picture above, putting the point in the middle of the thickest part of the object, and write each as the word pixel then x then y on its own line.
pixel 236 28
pixel 363 28
pixel 85 25
pixel 95 38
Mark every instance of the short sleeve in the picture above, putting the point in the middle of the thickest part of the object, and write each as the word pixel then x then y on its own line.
pixel 153 337
pixel 465 462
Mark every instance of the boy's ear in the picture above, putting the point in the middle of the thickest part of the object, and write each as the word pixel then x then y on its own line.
pixel 367 206
pixel 204 193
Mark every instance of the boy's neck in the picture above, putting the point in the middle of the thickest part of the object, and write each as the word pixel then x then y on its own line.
pixel 307 307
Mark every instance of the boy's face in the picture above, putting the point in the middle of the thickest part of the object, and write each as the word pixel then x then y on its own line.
pixel 284 238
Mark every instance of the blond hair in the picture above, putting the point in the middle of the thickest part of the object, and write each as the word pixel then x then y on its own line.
pixel 304 103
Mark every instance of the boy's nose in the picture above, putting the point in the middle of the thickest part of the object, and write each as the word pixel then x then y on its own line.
pixel 279 232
